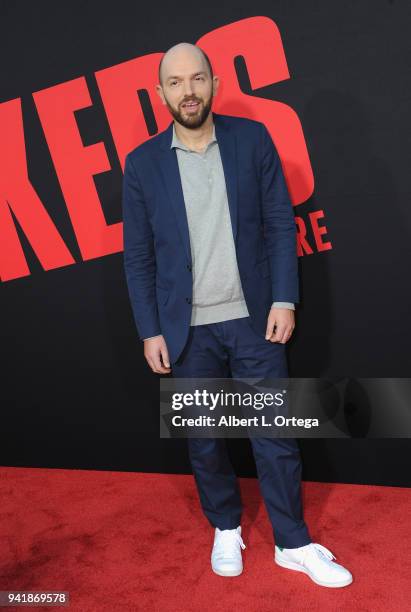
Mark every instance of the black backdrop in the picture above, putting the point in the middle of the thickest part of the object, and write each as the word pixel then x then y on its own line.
pixel 76 391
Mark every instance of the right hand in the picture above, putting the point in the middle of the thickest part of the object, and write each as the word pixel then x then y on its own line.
pixel 156 354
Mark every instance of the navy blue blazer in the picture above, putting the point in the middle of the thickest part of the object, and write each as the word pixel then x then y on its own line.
pixel 157 254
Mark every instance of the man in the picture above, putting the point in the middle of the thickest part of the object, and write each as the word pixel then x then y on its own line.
pixel 211 266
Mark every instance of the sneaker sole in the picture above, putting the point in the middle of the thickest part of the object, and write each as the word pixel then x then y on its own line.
pixel 227 573
pixel 298 568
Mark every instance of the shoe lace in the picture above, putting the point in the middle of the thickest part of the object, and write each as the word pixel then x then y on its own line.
pixel 227 543
pixel 319 550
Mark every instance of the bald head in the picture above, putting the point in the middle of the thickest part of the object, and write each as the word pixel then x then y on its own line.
pixel 178 56
pixel 187 85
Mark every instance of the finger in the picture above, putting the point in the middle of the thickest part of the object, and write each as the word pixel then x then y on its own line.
pixel 287 335
pixel 160 369
pixel 285 338
pixel 279 333
pixel 270 329
pixel 164 356
pixel 155 365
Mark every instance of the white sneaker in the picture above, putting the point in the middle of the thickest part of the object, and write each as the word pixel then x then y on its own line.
pixel 317 562
pixel 226 557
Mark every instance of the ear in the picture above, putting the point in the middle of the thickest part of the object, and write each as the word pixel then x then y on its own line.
pixel 216 83
pixel 159 90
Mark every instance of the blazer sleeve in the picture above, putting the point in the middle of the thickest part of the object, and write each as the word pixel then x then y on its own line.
pixel 280 233
pixel 139 255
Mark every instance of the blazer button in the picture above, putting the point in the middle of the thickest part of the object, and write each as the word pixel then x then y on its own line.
pixel 188 300
pixel 188 267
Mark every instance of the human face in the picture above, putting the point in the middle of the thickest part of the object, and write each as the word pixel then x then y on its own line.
pixel 189 95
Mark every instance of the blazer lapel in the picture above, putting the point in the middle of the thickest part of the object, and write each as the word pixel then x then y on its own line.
pixel 228 152
pixel 169 167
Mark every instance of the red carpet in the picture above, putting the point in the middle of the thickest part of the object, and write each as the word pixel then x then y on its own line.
pixel 124 541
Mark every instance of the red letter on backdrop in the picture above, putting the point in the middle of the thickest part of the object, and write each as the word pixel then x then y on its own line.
pixel 75 166
pixel 258 40
pixel 319 230
pixel 18 194
pixel 118 87
pixel 302 243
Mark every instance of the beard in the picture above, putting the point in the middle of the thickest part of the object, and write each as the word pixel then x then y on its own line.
pixel 192 120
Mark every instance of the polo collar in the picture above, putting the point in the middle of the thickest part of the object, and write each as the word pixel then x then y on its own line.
pixel 175 142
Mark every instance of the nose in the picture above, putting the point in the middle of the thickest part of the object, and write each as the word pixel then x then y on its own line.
pixel 188 89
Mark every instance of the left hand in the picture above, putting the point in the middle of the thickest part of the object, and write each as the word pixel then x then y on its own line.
pixel 283 319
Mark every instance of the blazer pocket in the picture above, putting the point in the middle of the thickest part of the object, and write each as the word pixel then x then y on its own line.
pixel 162 295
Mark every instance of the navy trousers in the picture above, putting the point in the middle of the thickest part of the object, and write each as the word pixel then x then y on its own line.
pixel 233 349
